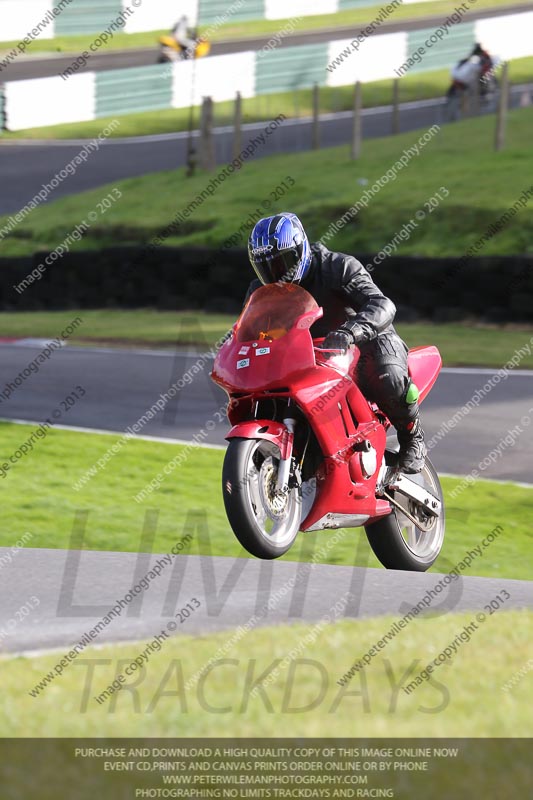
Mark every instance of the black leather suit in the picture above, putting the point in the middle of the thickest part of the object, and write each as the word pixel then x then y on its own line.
pixel 343 287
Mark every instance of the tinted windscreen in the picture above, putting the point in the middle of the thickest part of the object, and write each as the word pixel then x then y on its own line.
pixel 272 311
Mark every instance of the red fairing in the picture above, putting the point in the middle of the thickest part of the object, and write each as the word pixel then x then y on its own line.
pixel 271 345
pixel 271 355
pixel 273 432
pixel 424 366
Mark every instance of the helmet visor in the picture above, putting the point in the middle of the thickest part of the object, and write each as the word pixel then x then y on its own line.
pixel 276 267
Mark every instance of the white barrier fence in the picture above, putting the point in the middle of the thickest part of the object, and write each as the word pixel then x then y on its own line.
pixel 90 95
pixel 19 17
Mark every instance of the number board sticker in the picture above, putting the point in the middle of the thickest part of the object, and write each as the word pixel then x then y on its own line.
pixel 244 351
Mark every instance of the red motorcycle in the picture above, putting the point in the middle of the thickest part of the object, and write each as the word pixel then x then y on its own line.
pixel 307 451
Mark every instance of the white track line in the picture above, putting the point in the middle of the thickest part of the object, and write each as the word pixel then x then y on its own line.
pixel 4 656
pixel 489 480
pixel 99 432
pixel 253 127
pixel 524 373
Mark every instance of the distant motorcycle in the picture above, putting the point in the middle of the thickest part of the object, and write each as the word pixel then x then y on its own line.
pixel 170 50
pixel 307 451
pixel 467 78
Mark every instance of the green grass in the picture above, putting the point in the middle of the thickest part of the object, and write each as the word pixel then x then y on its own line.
pixel 154 328
pixel 466 344
pixel 38 497
pixel 241 30
pixel 470 345
pixel 419 86
pixel 482 186
pixel 463 699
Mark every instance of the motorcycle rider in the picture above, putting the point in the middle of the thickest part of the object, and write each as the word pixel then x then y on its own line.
pixel 183 36
pixel 477 66
pixel 356 312
pixel 465 73
pixel 486 66
pixel 484 58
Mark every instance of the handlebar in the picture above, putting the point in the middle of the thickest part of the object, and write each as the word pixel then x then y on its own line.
pixel 330 350
pixel 342 361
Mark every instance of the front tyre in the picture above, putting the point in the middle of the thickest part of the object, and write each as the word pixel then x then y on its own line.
pixel 398 542
pixel 265 521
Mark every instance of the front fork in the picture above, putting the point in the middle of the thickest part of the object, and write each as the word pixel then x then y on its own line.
pixel 284 468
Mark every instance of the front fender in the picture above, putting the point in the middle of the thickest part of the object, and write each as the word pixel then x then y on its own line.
pixel 274 432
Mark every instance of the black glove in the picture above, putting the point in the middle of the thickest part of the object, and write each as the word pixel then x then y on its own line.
pixel 343 338
pixel 338 340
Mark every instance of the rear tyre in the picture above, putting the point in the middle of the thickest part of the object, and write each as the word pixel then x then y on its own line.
pixel 264 521
pixel 395 539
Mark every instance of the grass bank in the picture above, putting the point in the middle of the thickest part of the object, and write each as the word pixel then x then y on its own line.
pixel 481 186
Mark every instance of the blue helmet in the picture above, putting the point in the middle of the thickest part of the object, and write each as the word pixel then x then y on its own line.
pixel 279 249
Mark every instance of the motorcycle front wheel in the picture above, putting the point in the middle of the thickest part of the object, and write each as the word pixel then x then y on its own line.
pixel 398 542
pixel 265 521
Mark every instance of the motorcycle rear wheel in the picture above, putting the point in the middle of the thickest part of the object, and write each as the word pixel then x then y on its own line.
pixel 395 539
pixel 264 521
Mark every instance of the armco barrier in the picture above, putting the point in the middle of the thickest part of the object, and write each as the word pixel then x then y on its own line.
pixel 126 91
pixel 78 17
pixel 459 40
pixel 87 96
pixel 288 68
pixel 86 17
pixel 498 289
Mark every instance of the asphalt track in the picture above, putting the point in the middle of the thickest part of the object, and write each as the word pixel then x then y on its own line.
pixel 121 385
pixel 76 589
pixel 27 167
pixel 41 67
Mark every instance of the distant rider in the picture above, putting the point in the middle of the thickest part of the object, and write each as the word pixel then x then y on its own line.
pixel 486 64
pixel 183 36
pixel 485 59
pixel 476 68
pixel 356 312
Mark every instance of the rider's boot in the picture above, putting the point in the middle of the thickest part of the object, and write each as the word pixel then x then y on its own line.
pixel 413 449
